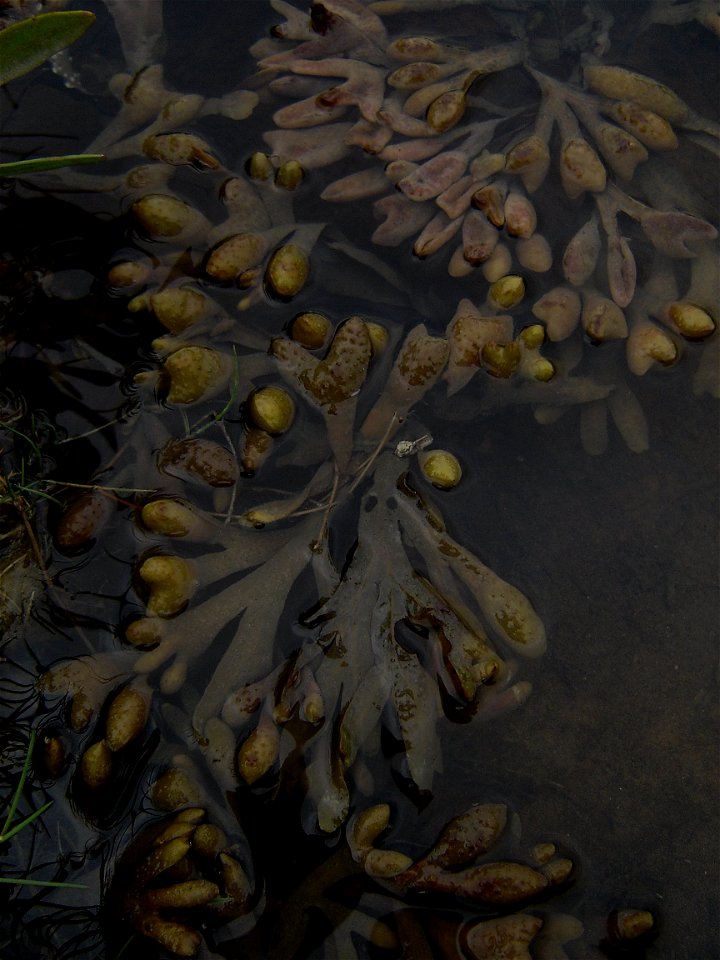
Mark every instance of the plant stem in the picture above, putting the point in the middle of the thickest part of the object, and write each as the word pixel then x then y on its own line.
pixel 23 823
pixel 19 788
pixel 19 881
pixel 18 168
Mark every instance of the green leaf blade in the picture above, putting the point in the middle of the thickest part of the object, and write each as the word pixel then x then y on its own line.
pixel 8 834
pixel 19 168
pixel 19 788
pixel 20 882
pixel 29 43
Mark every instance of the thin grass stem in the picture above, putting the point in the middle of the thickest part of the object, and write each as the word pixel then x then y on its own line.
pixel 23 823
pixel 20 785
pixel 20 881
pixel 31 443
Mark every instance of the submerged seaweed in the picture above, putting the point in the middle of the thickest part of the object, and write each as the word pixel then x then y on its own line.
pixel 262 606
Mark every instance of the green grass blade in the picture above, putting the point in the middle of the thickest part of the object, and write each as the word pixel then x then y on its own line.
pixel 43 883
pixel 19 788
pixel 124 947
pixel 23 823
pixel 29 43
pixel 32 491
pixel 38 164
pixel 37 453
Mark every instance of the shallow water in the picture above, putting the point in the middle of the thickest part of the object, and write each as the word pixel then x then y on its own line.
pixel 614 756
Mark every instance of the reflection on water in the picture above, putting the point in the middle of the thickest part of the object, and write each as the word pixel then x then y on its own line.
pixel 235 614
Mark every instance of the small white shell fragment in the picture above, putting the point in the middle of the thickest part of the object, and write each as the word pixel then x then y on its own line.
pixel 408 448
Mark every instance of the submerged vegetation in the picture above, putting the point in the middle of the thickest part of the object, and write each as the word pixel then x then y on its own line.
pixel 253 609
pixel 12 825
pixel 27 44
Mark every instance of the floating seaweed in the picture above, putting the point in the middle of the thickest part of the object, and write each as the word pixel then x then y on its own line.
pixel 295 614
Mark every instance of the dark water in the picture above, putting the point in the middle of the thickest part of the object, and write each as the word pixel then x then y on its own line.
pixel 614 756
